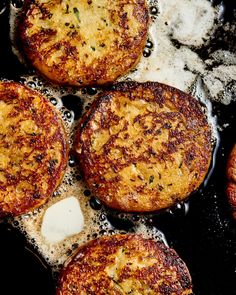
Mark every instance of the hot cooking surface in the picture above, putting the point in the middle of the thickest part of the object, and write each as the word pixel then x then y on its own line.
pixel 203 234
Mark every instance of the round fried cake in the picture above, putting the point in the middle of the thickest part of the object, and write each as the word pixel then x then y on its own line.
pixel 125 264
pixel 84 42
pixel 231 174
pixel 33 149
pixel 143 147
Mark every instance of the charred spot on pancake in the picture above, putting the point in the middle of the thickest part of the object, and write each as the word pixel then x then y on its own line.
pixel 144 147
pixel 84 43
pixel 231 174
pixel 33 149
pixel 125 264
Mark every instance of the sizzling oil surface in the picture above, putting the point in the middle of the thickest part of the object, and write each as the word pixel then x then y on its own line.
pixel 179 34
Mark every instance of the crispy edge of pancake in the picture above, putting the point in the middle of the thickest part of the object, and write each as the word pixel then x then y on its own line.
pixel 32 203
pixel 98 257
pixel 59 76
pixel 153 86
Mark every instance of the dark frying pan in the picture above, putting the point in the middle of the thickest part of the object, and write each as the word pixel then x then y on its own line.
pixel 204 237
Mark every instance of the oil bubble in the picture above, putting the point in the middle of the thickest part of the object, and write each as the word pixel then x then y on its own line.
pixel 17 3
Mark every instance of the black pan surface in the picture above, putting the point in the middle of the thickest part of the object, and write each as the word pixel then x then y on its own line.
pixel 205 237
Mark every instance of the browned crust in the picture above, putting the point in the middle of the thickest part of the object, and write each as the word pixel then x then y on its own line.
pixel 192 142
pixel 120 55
pixel 33 162
pixel 231 175
pixel 152 268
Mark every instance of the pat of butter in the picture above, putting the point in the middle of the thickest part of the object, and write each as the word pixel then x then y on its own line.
pixel 62 220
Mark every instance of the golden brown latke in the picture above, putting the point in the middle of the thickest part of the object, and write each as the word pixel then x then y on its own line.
pixel 84 42
pixel 125 264
pixel 231 174
pixel 33 149
pixel 143 147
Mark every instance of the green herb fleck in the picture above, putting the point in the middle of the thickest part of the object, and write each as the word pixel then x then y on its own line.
pixel 76 12
pixel 93 48
pixel 151 179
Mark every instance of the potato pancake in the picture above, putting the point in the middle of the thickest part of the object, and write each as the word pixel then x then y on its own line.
pixel 84 42
pixel 33 149
pixel 231 174
pixel 125 264
pixel 144 147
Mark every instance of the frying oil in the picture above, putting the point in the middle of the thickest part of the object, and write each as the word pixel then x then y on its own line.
pixel 180 31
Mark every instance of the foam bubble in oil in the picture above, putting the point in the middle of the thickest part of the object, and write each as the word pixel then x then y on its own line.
pixel 178 30
pixel 2 7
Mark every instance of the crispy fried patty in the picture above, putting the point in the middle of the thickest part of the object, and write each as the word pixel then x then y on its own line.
pixel 231 174
pixel 84 42
pixel 143 147
pixel 33 149
pixel 125 264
